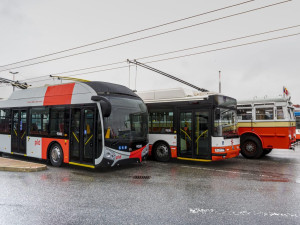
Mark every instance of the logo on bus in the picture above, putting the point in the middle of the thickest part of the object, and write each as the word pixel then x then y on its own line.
pixel 118 157
pixel 37 142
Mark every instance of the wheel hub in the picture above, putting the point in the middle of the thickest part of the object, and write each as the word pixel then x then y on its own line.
pixel 162 151
pixel 55 154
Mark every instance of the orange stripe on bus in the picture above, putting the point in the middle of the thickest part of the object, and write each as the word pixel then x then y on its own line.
pixel 59 94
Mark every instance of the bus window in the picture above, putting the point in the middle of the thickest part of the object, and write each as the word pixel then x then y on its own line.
pixel 161 122
pixel 59 122
pixel 4 121
pixel 39 121
pixel 186 133
pixel 225 125
pixel 100 141
pixel 280 114
pixel 244 114
pixel 264 113
pixel 291 113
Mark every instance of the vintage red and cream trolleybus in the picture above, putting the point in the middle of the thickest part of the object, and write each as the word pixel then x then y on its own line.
pixel 265 124
pixel 85 123
pixel 198 126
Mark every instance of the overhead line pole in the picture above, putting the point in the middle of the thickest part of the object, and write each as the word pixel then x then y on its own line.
pixel 166 74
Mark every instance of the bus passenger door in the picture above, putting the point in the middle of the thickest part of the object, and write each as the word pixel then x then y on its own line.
pixel 75 134
pixel 201 131
pixel 193 139
pixel 185 134
pixel 82 138
pixel 88 134
pixel 19 131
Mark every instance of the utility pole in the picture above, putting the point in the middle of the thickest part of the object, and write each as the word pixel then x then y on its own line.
pixel 13 73
pixel 220 82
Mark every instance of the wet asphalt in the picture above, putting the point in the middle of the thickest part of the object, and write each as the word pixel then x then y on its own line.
pixel 235 191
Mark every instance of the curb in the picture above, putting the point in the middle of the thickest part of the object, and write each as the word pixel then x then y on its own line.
pixel 20 166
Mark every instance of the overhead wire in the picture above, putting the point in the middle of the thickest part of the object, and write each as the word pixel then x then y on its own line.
pixel 151 36
pixel 187 55
pixel 172 52
pixel 131 33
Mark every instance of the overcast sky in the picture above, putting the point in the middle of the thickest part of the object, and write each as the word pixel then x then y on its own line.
pixel 33 28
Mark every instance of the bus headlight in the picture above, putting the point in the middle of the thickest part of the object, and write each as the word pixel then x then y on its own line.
pixel 145 151
pixel 220 150
pixel 109 155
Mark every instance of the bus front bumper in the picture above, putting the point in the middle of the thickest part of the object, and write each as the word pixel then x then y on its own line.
pixel 230 152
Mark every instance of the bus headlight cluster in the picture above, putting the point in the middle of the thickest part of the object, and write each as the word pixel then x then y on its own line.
pixel 109 155
pixel 145 151
pixel 220 150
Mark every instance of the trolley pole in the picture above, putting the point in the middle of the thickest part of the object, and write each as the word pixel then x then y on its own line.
pixel 220 82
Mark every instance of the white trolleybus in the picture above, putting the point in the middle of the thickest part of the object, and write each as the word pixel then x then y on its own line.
pixel 198 126
pixel 87 124
pixel 266 124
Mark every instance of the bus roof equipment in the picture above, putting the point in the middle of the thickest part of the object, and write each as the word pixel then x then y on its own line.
pixel 166 74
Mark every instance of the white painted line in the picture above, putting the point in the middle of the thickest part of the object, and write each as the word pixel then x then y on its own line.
pixel 241 213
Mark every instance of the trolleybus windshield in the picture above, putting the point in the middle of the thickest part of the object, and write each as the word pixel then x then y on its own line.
pixel 225 123
pixel 127 126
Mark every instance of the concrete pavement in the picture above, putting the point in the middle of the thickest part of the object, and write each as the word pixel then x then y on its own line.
pixel 13 165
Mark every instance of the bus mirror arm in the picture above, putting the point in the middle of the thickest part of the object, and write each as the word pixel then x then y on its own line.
pixel 104 103
pixel 218 114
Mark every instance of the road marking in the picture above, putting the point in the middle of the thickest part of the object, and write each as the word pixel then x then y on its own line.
pixel 226 171
pixel 240 213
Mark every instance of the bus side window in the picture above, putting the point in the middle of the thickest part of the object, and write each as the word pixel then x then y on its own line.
pixel 161 122
pixel 244 114
pixel 39 121
pixel 5 121
pixel 264 113
pixel 280 115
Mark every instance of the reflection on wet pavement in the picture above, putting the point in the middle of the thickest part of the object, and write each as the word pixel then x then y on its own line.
pixel 234 191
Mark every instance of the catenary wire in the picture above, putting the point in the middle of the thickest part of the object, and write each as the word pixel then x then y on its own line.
pixel 187 55
pixel 150 36
pixel 170 52
pixel 131 33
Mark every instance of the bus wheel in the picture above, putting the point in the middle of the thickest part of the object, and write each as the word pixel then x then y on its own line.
pixel 251 148
pixel 161 152
pixel 267 151
pixel 56 155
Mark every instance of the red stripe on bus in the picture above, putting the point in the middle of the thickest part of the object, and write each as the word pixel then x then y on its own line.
pixel 59 94
pixel 137 154
pixel 64 143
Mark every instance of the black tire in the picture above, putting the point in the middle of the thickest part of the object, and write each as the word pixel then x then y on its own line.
pixel 267 151
pixel 56 155
pixel 251 148
pixel 161 152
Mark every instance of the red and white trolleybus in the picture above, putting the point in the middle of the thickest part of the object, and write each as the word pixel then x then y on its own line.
pixel 265 124
pixel 198 126
pixel 86 124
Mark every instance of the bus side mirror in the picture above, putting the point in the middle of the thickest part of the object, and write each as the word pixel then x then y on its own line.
pixel 104 103
pixel 218 114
